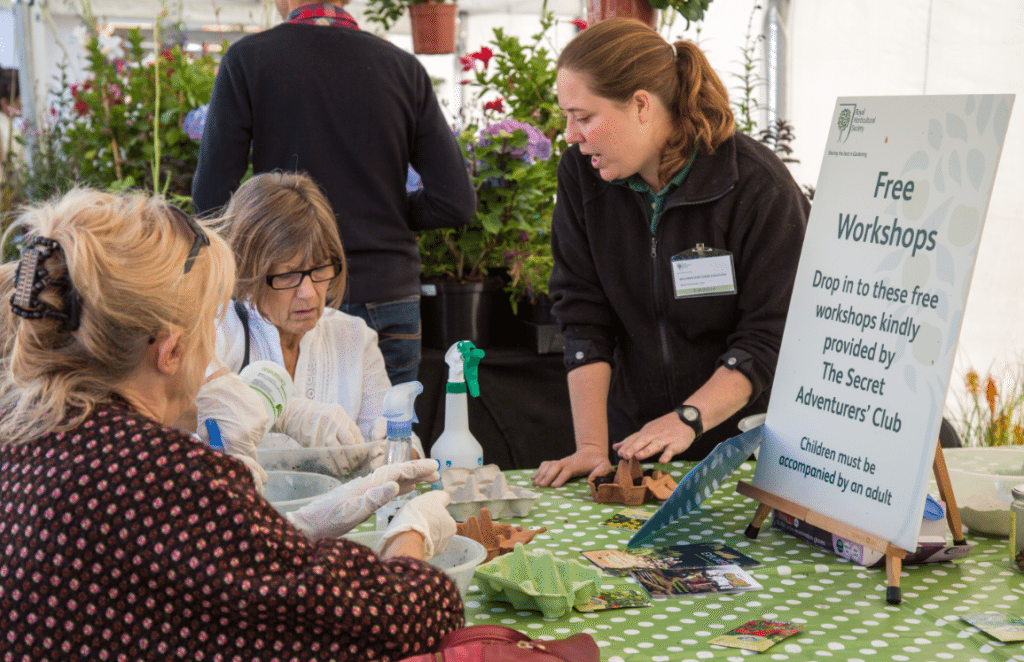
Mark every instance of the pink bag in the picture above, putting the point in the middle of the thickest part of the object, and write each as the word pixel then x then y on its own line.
pixel 496 643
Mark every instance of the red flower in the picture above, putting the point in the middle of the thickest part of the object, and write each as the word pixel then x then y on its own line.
pixel 580 23
pixel 495 105
pixel 467 63
pixel 991 393
pixel 484 55
pixel 82 107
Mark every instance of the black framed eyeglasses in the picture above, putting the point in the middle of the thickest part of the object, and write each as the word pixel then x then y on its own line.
pixel 200 238
pixel 292 279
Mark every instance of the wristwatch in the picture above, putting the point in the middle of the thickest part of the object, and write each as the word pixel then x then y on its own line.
pixel 690 415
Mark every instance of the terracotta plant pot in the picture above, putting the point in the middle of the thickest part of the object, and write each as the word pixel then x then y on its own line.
pixel 598 10
pixel 433 27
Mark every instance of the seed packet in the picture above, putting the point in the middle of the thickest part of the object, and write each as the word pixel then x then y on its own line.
pixel 664 583
pixel 630 519
pixel 617 599
pixel 757 635
pixel 1004 627
pixel 676 556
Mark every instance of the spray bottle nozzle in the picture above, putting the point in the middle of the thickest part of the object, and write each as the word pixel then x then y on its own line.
pixel 471 366
pixel 463 359
pixel 399 410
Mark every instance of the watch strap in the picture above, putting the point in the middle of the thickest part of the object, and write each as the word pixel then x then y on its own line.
pixel 690 416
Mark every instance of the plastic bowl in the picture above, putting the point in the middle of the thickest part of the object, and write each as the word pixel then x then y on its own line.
pixel 341 462
pixel 290 490
pixel 982 479
pixel 459 559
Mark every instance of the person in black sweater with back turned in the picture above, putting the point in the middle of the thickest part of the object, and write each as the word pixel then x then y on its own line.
pixel 316 94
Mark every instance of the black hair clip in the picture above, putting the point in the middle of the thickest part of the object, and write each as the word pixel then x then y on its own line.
pixel 33 277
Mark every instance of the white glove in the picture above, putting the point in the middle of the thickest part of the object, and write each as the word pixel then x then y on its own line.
pixel 427 515
pixel 407 474
pixel 314 424
pixel 241 417
pixel 346 506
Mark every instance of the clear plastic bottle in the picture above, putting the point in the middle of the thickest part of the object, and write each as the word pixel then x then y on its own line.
pixel 1017 527
pixel 399 411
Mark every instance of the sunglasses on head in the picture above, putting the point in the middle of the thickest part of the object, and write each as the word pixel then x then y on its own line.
pixel 199 235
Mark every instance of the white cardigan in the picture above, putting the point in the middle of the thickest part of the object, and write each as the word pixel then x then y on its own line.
pixel 339 361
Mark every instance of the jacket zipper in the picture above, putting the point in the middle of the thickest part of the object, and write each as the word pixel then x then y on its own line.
pixel 667 374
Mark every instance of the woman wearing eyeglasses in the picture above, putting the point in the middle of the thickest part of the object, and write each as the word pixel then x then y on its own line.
pixel 290 263
pixel 122 537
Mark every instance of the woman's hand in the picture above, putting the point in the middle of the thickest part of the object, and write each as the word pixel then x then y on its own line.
pixel 407 543
pixel 314 424
pixel 240 416
pixel 666 435
pixel 587 461
pixel 348 505
pixel 426 515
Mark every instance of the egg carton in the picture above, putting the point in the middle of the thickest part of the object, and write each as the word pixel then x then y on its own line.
pixel 497 537
pixel 631 485
pixel 537 580
pixel 485 487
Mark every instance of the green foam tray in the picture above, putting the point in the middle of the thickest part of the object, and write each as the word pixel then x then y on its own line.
pixel 537 580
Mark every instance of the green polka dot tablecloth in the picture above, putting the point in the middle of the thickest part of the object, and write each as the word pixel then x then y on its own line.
pixel 840 605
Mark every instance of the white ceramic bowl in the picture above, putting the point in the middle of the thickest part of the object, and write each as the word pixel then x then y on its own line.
pixel 459 559
pixel 290 490
pixel 982 479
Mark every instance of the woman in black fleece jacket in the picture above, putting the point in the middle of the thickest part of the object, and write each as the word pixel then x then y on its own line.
pixel 656 188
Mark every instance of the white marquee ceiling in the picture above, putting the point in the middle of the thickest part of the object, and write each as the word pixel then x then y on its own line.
pixel 262 12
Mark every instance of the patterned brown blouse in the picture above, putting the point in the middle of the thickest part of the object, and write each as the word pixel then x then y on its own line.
pixel 125 540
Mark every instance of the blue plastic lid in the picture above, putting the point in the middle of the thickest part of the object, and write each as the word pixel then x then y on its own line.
pixel 399 429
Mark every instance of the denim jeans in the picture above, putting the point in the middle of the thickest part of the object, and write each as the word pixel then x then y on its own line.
pixel 397 324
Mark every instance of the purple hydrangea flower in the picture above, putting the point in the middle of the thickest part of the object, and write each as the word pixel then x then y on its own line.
pixel 413 181
pixel 195 122
pixel 538 146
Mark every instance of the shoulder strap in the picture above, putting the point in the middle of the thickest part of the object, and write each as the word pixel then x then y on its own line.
pixel 243 315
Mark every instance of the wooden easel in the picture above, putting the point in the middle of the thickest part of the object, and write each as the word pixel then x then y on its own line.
pixel 893 555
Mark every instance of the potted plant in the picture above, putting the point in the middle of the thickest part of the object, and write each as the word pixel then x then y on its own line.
pixel 123 126
pixel 433 23
pixel 511 231
pixel 507 161
pixel 644 10
pixel 519 81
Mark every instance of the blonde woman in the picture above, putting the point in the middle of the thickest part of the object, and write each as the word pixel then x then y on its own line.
pixel 122 537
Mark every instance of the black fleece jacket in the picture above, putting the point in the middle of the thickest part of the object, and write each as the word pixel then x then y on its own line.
pixel 613 289
pixel 353 111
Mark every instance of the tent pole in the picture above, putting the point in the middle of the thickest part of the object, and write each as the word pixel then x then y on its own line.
pixel 25 17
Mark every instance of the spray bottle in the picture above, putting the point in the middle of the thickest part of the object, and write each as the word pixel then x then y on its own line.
pixel 457 447
pixel 399 412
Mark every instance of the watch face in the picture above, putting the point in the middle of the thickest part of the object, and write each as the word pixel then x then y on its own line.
pixel 690 414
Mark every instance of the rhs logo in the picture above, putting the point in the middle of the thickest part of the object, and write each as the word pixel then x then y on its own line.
pixel 845 121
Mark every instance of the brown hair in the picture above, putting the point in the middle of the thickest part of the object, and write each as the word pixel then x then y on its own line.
pixel 619 56
pixel 125 256
pixel 269 219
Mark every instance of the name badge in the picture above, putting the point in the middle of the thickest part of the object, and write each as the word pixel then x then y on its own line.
pixel 703 271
